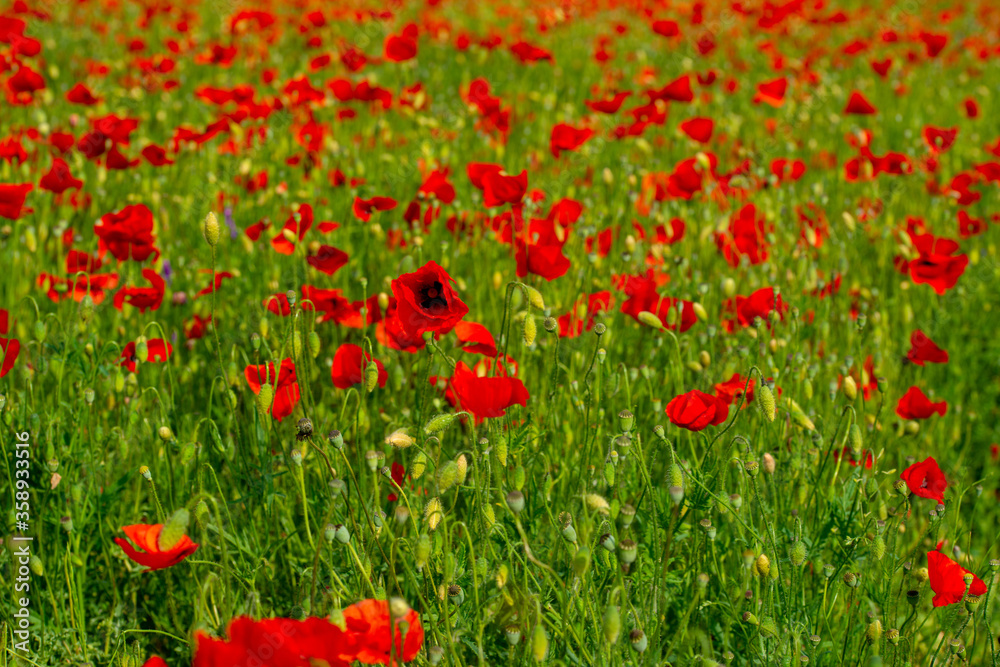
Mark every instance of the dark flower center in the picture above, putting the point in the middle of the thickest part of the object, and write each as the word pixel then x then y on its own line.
pixel 432 297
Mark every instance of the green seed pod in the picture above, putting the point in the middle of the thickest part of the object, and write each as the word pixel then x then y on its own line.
pixel 314 344
pixel 638 640
pixel 626 420
pixel 513 635
pixel 515 501
pixel 612 624
pixel 534 297
pixel 539 643
pixel 765 402
pixel 173 529
pixel 528 330
pixel 210 229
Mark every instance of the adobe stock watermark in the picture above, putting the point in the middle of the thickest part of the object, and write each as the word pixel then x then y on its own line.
pixel 21 544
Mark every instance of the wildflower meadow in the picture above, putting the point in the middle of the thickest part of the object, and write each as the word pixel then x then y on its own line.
pixel 449 332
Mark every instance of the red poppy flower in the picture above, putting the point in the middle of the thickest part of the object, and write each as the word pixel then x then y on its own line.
pixel 76 288
pixel 147 538
pixel 155 661
pixel 475 338
pixel 937 264
pixel 699 129
pixel 363 207
pixel 926 480
pixel 568 138
pixel 425 301
pixel 156 155
pixel 379 637
pixel 328 259
pixel 58 179
pixel 759 304
pixel 678 90
pixel 608 106
pixel 939 139
pixel 399 48
pixel 947 580
pixel 284 642
pixel 772 92
pixel 500 188
pixel 349 364
pixel 215 284
pixel 197 327
pixel 159 351
pixel 486 397
pixel 528 53
pixel 436 184
pixel 745 237
pixel 286 388
pixel 80 94
pixel 732 389
pixel 12 200
pixel 298 223
pixel 857 104
pixel 398 473
pixel 695 410
pixel 868 457
pixel 914 404
pixel 9 347
pixel 128 234
pixel 924 350
pixel 143 298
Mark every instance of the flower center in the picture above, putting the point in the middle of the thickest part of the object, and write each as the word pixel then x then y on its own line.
pixel 432 297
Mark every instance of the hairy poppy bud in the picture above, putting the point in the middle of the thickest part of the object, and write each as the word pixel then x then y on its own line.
pixel 264 399
pixel 650 319
pixel 850 388
pixel 769 463
pixel 399 439
pixel 210 229
pixel 447 476
pixel 173 529
pixel 765 402
pixel 422 552
pixel 501 451
pixel 371 376
pixel 86 308
pixel 878 547
pixel 433 513
pixel 528 331
pixel 141 349
pixel 798 553
pixel 489 516
pixel 596 503
pixel 166 435
pixel 768 627
pixel 612 624
pixel 534 297
pixel 763 565
pixel 874 632
pixel 314 347
pixel 539 643
pixel 581 561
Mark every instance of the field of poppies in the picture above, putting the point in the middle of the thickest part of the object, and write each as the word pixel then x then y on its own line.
pixel 576 332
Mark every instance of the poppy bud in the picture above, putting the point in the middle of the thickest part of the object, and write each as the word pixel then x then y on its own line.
pixel 86 308
pixel 650 319
pixel 201 513
pixel 765 402
pixel 850 388
pixel 39 330
pixel 528 330
pixel 210 229
pixel 612 624
pixel 704 358
pixel 462 466
pixel 769 463
pixel 422 551
pixel 763 565
pixel 520 476
pixel 173 529
pixel 539 643
pixel 489 516
pixel 399 439
pixel 371 376
pixel 501 451
pixel 314 347
pixel 534 297
pixel 433 513
pixel 141 349
pixel 768 627
pixel 798 553
pixel 874 632
pixel 264 399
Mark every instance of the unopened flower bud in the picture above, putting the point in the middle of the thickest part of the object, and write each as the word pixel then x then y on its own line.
pixel 210 229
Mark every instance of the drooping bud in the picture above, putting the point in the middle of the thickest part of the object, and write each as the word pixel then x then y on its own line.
pixel 612 624
pixel 314 346
pixel 765 402
pixel 874 632
pixel 528 330
pixel 539 643
pixel 439 423
pixel 264 399
pixel 650 319
pixel 433 513
pixel 850 388
pixel 763 565
pixel 141 349
pixel 798 553
pixel 418 466
pixel 535 297
pixel 399 439
pixel 173 529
